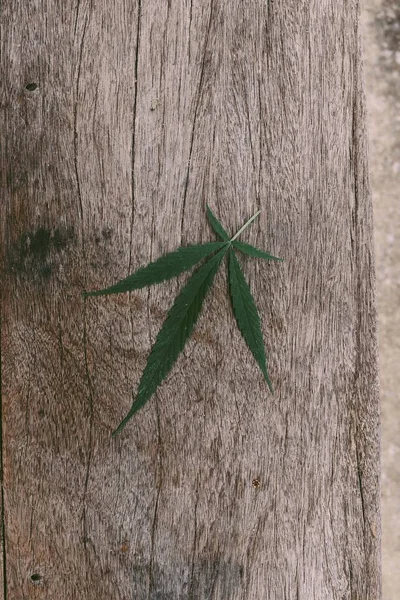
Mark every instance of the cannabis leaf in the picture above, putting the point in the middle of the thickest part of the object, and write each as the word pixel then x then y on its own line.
pixel 245 248
pixel 216 225
pixel 252 251
pixel 176 330
pixel 246 314
pixel 164 268
pixel 184 313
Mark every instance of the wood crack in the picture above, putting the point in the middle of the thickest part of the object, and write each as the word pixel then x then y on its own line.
pixel 152 543
pixel 3 520
pixel 360 485
pixel 90 441
pixel 133 150
pixel 191 585
pixel 198 97
pixel 77 178
pixel 159 481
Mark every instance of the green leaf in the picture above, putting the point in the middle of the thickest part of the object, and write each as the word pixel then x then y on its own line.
pixel 216 225
pixel 165 267
pixel 246 314
pixel 253 251
pixel 175 331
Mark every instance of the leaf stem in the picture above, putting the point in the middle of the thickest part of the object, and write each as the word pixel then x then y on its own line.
pixel 244 226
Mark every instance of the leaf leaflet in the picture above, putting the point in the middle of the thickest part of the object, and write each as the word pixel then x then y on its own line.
pixel 246 314
pixel 175 332
pixel 164 268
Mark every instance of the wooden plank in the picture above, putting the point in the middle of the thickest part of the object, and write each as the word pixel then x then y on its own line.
pixel 3 590
pixel 143 112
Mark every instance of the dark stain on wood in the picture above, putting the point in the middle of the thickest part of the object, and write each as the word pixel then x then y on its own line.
pixel 204 336
pixel 36 578
pixel 157 312
pixel 35 254
pixel 31 87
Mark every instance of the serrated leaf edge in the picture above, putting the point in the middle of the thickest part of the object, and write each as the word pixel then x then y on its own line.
pixel 134 282
pixel 216 225
pixel 234 269
pixel 144 395
pixel 253 251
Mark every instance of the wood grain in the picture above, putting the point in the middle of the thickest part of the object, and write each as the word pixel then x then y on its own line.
pixel 143 112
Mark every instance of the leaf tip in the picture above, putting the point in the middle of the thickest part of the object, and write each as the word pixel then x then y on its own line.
pixel 271 389
pixel 118 430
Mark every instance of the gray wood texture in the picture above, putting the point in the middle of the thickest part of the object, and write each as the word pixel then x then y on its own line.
pixel 143 111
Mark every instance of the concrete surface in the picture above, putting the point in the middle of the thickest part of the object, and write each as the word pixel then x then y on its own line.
pixel 381 40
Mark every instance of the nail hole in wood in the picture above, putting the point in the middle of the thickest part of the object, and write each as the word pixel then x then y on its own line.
pixel 31 87
pixel 256 483
pixel 36 578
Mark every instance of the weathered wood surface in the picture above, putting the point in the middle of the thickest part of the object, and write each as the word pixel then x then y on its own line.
pixel 143 112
